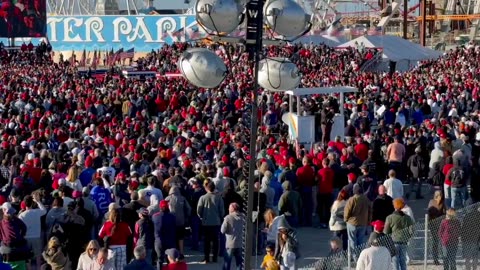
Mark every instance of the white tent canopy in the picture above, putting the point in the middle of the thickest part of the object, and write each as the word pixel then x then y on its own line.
pixel 394 48
pixel 330 41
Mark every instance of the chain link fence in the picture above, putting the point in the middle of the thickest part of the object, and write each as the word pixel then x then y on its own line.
pixel 451 241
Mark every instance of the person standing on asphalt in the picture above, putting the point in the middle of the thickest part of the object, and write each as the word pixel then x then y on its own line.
pixel 306 181
pixel 393 185
pixel 211 210
pixel 326 177
pixel 290 204
pixel 357 215
pixel 400 226
pixel 382 205
pixel 232 227
pixel 32 218
pixel 418 169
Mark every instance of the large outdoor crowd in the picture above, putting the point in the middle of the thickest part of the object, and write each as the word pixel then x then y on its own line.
pixel 114 173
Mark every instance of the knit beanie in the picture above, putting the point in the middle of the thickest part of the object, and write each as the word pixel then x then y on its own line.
pixel 398 203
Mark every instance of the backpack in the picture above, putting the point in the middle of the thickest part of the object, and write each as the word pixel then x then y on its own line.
pixel 457 177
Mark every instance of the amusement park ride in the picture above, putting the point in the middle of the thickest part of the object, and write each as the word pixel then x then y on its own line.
pixel 432 15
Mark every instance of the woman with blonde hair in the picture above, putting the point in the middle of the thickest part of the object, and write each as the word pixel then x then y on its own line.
pixel 336 223
pixel 72 177
pixel 436 209
pixel 88 257
pixel 55 257
pixel 449 234
pixel 271 226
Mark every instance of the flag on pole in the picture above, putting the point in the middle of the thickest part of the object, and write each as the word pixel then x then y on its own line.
pixel 128 54
pixel 94 60
pixel 89 61
pixel 83 59
pixel 72 58
pixel 117 56
pixel 109 57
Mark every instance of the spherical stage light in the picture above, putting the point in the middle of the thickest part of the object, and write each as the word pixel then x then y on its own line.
pixel 286 17
pixel 278 74
pixel 221 16
pixel 202 68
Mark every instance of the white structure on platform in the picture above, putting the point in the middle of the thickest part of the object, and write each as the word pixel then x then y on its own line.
pixel 301 127
pixel 330 41
pixel 394 48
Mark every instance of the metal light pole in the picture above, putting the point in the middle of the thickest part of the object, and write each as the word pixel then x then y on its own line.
pixel 405 19
pixel 203 68
pixel 254 34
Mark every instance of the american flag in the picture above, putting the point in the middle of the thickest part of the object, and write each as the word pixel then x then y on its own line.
pixel 128 54
pixel 72 58
pixel 83 59
pixel 114 57
pixel 94 60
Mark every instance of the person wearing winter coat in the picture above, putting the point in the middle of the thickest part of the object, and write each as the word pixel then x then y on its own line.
pixel 375 257
pixel 336 223
pixel 181 209
pixel 141 260
pixel 267 189
pixel 449 234
pixel 232 228
pixel 271 226
pixel 286 247
pixel 143 234
pixel 89 256
pixel 220 181
pixel 290 204
pixel 436 209
pixel 165 228
pixel 417 171
pixel 436 155
pixel 154 208
pixel 210 210
pixel 55 257
pixel 12 235
pixel 400 226
pixel 382 205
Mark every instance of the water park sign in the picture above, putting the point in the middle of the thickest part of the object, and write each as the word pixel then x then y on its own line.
pixel 113 32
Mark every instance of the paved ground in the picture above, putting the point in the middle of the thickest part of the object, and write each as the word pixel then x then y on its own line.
pixel 315 244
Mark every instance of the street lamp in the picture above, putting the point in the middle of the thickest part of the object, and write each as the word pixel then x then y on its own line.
pixel 203 68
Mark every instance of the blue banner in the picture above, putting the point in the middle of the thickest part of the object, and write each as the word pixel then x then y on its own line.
pixel 144 32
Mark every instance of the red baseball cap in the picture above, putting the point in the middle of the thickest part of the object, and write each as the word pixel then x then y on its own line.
pixel 163 204
pixel 378 225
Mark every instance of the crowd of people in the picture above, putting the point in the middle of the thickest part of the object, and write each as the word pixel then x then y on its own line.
pixel 115 173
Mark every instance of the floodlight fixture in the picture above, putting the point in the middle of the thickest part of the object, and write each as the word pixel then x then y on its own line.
pixel 202 67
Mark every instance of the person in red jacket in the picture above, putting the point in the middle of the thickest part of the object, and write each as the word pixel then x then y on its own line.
pixel 174 262
pixel 305 182
pixel 325 178
pixel 116 234
pixel 361 150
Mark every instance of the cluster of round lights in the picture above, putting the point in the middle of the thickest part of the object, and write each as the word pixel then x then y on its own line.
pixel 203 68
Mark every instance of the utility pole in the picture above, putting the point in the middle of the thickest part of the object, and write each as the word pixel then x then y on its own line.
pixel 423 22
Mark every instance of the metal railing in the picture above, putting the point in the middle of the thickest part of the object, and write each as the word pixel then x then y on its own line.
pixel 452 239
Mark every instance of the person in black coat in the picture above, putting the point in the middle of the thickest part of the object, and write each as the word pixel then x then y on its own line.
pixel 382 205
